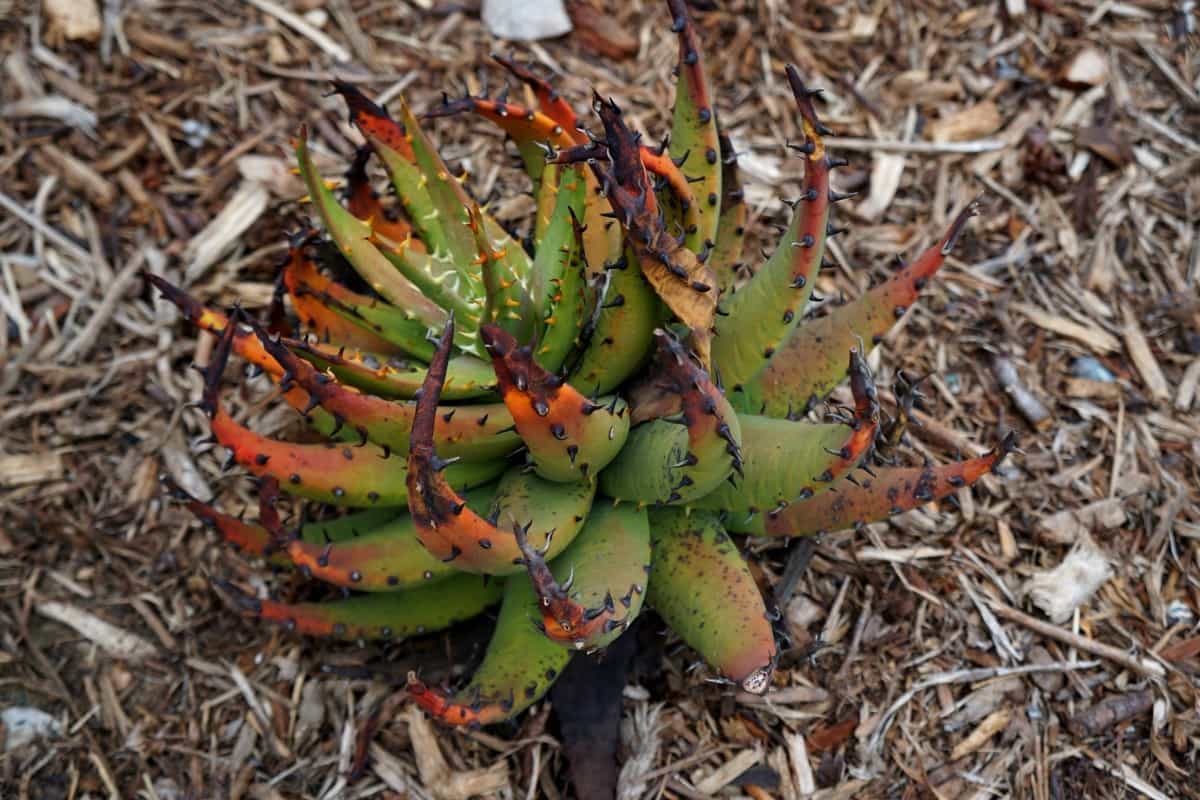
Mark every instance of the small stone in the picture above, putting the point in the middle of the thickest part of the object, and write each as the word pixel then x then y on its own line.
pixel 523 21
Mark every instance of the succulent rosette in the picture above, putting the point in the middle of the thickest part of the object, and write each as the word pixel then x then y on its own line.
pixel 572 426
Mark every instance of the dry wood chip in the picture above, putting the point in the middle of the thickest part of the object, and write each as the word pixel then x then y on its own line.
pixel 89 335
pixel 440 780
pixel 1186 395
pixel 23 470
pixel 1098 340
pixel 1070 525
pixel 117 642
pixel 1107 142
pixel 992 724
pixel 1068 476
pixel 1093 390
pixel 390 770
pixel 600 33
pixel 156 42
pixel 72 20
pixel 845 791
pixel 806 782
pixel 311 713
pixel 303 27
pixel 1142 666
pixel 831 737
pixel 78 175
pixel 981 702
pixel 917 85
pixel 975 122
pixel 900 555
pixel 243 747
pixel 727 772
pixel 1181 651
pixel 886 171
pixel 1048 682
pixel 1004 645
pixel 219 236
pixel 183 470
pixel 1088 67
pixel 22 76
pixel 789 696
pixel 52 107
pixel 1147 365
pixel 875 735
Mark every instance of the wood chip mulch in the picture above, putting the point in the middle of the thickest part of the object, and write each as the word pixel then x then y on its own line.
pixel 1037 638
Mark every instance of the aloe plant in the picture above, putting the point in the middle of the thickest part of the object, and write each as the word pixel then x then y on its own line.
pixel 574 429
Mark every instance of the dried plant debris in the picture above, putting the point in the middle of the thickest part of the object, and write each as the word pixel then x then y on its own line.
pixel 1074 123
pixel 1060 591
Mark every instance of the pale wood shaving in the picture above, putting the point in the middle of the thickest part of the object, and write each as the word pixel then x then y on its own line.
pixel 117 642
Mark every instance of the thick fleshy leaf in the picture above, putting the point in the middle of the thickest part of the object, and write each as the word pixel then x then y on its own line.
pixel 391 617
pixel 320 319
pixel 537 133
pixel 353 237
pixel 305 282
pixel 381 558
pixel 694 141
pixel 363 202
pixel 557 280
pixel 474 433
pixel 683 282
pixel 784 461
pixel 726 253
pixel 432 198
pixel 759 317
pixel 360 476
pixel 253 539
pixel 593 591
pixel 570 438
pixel 518 669
pixel 532 131
pixel 807 366
pixel 450 529
pixel 550 102
pixel 678 460
pixel 675 188
pixel 702 587
pixel 247 345
pixel 884 492
pixel 620 336
pixel 506 271
pixel 467 378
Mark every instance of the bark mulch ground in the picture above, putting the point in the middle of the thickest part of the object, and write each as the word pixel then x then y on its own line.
pixel 1037 638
